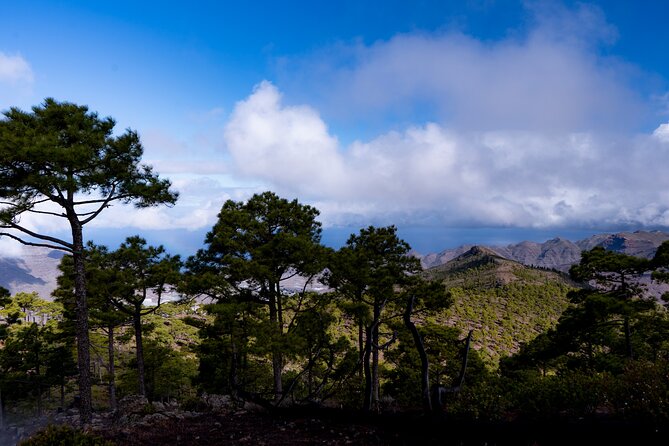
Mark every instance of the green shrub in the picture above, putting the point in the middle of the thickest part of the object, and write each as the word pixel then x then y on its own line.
pixel 63 435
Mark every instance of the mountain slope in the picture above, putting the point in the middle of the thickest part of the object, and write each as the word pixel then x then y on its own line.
pixel 503 301
pixel 36 270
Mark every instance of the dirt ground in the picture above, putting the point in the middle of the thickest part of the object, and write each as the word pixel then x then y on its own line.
pixel 253 429
pixel 339 427
pixel 356 429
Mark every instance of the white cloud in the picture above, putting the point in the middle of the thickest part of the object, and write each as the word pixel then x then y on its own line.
pixel 16 80
pixel 552 78
pixel 662 132
pixel 281 143
pixel 524 131
pixel 430 173
pixel 14 70
pixel 10 248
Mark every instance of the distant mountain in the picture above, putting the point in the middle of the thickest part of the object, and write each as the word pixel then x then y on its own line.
pixel 560 253
pixel 36 270
pixel 505 302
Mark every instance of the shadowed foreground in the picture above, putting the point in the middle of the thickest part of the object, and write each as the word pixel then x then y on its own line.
pixel 340 428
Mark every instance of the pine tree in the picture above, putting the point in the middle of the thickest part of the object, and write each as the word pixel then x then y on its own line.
pixel 63 162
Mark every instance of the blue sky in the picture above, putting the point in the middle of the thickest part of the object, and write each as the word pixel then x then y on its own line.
pixel 458 121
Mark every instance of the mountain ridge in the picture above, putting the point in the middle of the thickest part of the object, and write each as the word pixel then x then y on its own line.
pixel 37 269
pixel 559 253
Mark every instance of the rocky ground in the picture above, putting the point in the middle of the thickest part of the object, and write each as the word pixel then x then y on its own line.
pixel 214 420
pixel 217 420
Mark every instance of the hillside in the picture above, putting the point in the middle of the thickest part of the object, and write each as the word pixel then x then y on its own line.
pixel 503 301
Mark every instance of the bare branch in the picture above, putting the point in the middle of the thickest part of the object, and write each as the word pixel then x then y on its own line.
pixel 61 215
pixel 67 246
pixel 102 206
pixel 43 200
pixel 83 214
pixel 101 200
pixel 119 305
pixel 300 300
pixel 289 277
pixel 27 243
pixel 61 197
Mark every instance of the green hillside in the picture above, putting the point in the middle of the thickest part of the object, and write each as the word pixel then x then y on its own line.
pixel 504 302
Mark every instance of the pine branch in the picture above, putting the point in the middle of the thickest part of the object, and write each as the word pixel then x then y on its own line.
pixel 27 243
pixel 120 306
pixel 104 205
pixel 46 213
pixel 66 246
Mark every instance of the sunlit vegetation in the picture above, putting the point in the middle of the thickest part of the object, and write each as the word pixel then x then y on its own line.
pixel 480 338
pixel 385 336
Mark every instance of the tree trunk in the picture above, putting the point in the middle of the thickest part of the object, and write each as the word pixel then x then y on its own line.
pixel 361 338
pixel 81 326
pixel 367 402
pixel 233 365
pixel 62 392
pixel 277 360
pixel 112 368
pixel 361 349
pixel 463 368
pixel 424 362
pixel 375 357
pixel 139 347
pixel 439 391
pixel 39 385
pixel 628 337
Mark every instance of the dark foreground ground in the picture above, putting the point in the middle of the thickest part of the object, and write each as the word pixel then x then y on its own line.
pixel 342 428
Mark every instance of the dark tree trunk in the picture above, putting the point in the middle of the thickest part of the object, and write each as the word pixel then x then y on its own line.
pixel 628 337
pixel 39 386
pixel 137 323
pixel 361 349
pixel 233 366
pixel 361 339
pixel 375 357
pixel 439 391
pixel 62 392
pixel 424 362
pixel 277 360
pixel 83 343
pixel 112 368
pixel 465 359
pixel 367 403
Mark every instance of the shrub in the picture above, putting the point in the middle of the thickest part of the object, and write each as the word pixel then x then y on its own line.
pixel 63 435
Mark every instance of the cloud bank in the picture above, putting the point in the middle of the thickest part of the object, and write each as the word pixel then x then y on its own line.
pixel 536 130
pixel 539 129
pixel 550 78
pixel 433 174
